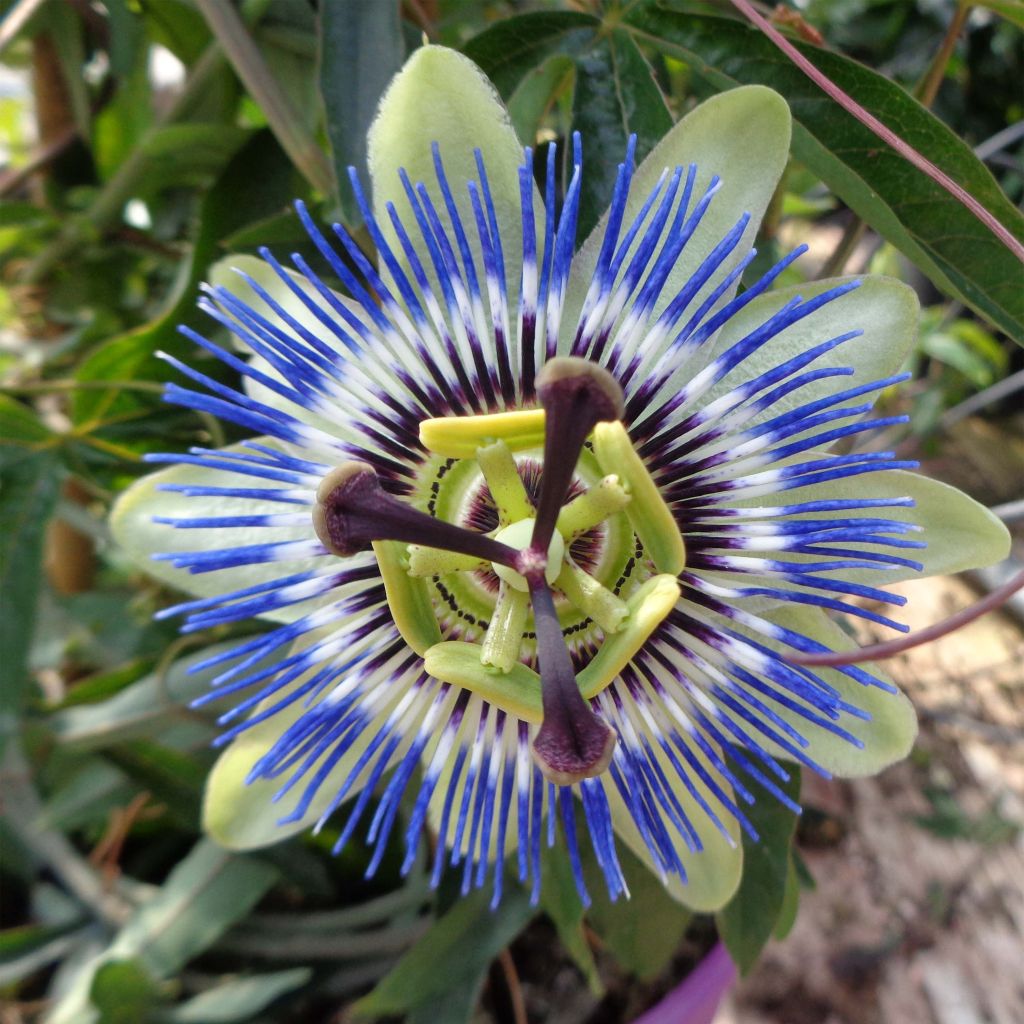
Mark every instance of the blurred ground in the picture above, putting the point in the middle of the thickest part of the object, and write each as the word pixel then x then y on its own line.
pixel 918 915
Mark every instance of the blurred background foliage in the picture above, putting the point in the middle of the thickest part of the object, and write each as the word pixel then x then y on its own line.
pixel 141 141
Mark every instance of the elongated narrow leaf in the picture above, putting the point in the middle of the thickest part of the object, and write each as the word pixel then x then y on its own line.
pixel 928 225
pixel 360 49
pixel 746 923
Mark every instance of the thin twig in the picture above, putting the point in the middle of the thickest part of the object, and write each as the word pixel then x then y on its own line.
pixel 851 106
pixel 929 86
pixel 285 122
pixel 14 177
pixel 515 989
pixel 879 652
pixel 995 393
pixel 1009 512
pixel 852 234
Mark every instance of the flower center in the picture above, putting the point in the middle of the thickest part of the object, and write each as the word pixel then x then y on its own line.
pixel 519 535
pixel 440 573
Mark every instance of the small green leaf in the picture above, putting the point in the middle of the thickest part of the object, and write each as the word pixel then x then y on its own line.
pixel 616 96
pixel 239 999
pixel 746 923
pixel 124 992
pixel 28 493
pixel 643 932
pixel 561 902
pixel 360 50
pixel 790 902
pixel 453 953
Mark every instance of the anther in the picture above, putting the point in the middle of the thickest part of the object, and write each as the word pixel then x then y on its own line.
pixel 352 510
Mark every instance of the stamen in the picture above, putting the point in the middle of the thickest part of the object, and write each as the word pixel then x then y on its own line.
pixel 592 598
pixel 573 743
pixel 504 482
pixel 352 510
pixel 576 395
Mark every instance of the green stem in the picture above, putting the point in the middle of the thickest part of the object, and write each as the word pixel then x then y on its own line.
pixel 929 85
pixel 849 241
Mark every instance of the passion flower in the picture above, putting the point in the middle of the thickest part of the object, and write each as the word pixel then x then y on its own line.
pixel 537 530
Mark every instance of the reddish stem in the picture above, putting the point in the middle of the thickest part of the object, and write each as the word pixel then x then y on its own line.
pixel 877 652
pixel 849 104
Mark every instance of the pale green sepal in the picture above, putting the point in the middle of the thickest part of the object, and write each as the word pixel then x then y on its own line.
pixel 441 96
pixel 651 518
pixel 131 523
pixel 459 437
pixel 408 597
pixel 713 874
pixel 648 606
pixel 887 737
pixel 884 309
pixel 959 532
pixel 516 691
pixel 224 274
pixel 243 816
pixel 741 135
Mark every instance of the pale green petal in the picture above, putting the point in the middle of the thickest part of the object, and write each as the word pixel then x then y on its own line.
pixel 743 137
pixel 960 533
pixel 131 523
pixel 887 737
pixel 243 816
pixel 713 874
pixel 441 96
pixel 885 309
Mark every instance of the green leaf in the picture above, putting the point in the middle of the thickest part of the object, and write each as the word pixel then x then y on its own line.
pixel 537 93
pixel 239 999
pixel 203 896
pixel 258 181
pixel 643 932
pixel 28 493
pixel 790 902
pixel 960 255
pixel 361 49
pixel 1011 10
pixel 140 709
pixel 124 992
pixel 616 96
pixel 511 48
pixel 746 923
pixel 561 902
pixel 453 953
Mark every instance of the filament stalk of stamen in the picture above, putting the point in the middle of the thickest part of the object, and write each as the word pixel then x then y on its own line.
pixel 592 507
pixel 504 637
pixel 573 743
pixel 505 484
pixel 592 598
pixel 576 395
pixel 425 561
pixel 353 510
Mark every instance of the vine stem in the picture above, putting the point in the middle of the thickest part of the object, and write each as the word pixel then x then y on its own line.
pixel 879 652
pixel 851 106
